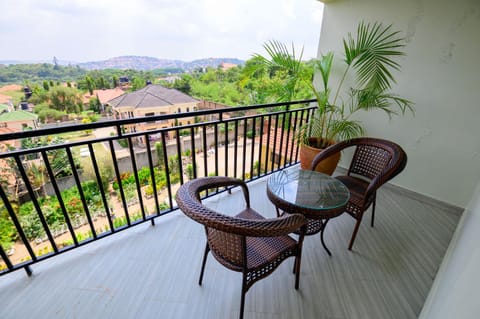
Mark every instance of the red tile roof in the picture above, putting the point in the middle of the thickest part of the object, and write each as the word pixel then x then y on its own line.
pixel 286 146
pixel 104 95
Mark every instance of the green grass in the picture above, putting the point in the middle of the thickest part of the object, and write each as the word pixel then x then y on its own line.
pixel 17 96
pixel 76 136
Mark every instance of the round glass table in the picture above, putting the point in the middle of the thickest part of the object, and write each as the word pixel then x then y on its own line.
pixel 318 196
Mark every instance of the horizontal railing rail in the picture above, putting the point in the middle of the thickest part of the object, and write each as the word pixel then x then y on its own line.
pixel 64 194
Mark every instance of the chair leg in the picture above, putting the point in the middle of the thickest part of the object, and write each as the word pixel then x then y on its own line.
pixel 373 209
pixel 242 300
pixel 298 260
pixel 207 249
pixel 355 230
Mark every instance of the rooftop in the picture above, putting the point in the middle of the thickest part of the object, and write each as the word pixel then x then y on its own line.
pixel 104 95
pixel 148 271
pixel 150 96
pixel 17 116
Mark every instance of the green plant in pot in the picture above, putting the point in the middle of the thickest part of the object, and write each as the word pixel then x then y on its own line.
pixel 364 84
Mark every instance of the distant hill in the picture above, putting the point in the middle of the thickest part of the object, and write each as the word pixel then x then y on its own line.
pixel 137 63
pixel 150 63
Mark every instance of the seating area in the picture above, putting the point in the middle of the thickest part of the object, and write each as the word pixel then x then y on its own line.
pixel 150 270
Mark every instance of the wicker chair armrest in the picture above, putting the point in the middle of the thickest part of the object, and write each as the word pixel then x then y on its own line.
pixel 271 227
pixel 201 184
pixel 189 202
pixel 329 151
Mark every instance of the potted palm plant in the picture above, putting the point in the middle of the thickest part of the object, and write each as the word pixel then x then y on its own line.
pixel 364 85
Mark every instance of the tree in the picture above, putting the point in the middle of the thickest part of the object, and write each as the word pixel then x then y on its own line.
pixel 90 84
pixel 105 169
pixel 115 81
pixel 189 171
pixel 94 104
pixel 138 83
pixel 183 84
pixel 65 99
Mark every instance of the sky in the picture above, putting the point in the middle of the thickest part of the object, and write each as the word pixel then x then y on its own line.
pixel 92 30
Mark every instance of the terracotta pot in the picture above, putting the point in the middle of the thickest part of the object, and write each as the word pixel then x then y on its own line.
pixel 327 166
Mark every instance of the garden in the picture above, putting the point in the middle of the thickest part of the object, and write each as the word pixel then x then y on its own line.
pixel 55 219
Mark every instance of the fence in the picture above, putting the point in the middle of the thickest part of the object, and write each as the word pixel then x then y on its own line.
pixel 110 188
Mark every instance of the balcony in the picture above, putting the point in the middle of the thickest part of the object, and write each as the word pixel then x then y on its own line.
pixel 130 255
pixel 152 271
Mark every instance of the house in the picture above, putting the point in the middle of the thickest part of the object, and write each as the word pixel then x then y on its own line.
pixel 18 120
pixel 103 95
pixel 150 101
pixel 6 145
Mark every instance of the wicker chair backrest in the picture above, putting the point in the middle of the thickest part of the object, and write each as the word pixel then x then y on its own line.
pixel 226 233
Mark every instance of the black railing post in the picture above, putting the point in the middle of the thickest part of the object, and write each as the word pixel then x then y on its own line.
pixel 262 120
pixel 152 176
pixel 205 151
pixel 252 155
pixel 244 153
pixel 193 152
pixel 167 172
pixel 135 174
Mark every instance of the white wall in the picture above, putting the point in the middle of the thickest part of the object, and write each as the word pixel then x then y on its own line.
pixel 441 74
pixel 454 293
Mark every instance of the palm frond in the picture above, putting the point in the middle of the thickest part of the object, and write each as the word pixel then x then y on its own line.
pixel 373 100
pixel 345 130
pixel 324 66
pixel 371 54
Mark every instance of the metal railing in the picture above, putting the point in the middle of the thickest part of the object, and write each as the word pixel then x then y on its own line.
pixel 57 197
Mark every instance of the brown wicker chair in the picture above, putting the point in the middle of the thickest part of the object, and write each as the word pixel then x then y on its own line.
pixel 247 243
pixel 374 163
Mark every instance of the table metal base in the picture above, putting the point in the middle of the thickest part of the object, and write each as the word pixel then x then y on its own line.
pixel 314 226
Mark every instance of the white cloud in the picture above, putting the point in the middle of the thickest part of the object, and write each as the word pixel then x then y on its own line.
pixel 83 30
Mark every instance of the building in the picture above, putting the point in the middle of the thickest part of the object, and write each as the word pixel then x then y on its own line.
pixel 103 95
pixel 19 120
pixel 150 101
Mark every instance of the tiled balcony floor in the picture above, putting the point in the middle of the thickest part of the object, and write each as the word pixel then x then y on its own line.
pixel 152 272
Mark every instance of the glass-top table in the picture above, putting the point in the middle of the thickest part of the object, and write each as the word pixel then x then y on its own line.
pixel 318 196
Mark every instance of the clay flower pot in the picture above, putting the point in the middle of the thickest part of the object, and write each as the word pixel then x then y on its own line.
pixel 307 153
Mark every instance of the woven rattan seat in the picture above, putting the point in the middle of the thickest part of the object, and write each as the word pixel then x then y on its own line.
pixel 247 242
pixel 375 162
